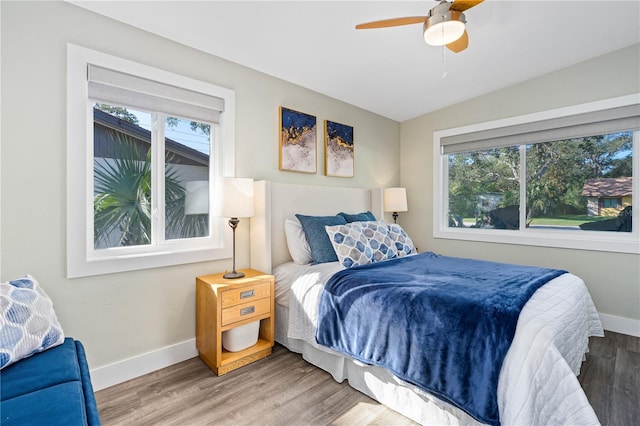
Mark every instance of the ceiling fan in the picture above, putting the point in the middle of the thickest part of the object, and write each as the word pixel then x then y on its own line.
pixel 444 25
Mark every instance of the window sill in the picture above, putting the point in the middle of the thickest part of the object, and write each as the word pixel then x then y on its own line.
pixel 578 240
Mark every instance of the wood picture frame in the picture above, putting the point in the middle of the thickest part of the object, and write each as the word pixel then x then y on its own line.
pixel 298 142
pixel 339 154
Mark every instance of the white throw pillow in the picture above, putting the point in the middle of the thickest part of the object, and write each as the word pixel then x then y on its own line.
pixel 28 323
pixel 297 242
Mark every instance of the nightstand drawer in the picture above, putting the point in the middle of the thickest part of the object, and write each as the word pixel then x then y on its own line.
pixel 246 311
pixel 234 296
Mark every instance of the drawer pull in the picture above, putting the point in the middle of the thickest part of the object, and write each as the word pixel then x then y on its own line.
pixel 248 310
pixel 247 294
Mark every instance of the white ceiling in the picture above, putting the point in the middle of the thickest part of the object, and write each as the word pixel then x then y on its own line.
pixel 389 71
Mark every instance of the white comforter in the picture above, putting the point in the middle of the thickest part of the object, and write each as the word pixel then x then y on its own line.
pixel 538 384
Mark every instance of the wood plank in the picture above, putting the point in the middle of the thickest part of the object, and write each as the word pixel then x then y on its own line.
pixel 626 389
pixel 597 382
pixel 604 347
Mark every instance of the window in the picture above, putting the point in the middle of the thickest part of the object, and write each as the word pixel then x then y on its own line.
pixel 611 203
pixel 144 146
pixel 565 178
pixel 124 141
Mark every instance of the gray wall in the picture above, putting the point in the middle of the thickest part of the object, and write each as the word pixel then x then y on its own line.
pixel 122 315
pixel 613 279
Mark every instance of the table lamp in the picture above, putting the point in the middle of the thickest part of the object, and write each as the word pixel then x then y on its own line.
pixel 395 200
pixel 237 201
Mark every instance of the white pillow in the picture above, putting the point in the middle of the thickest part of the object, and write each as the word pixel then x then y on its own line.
pixel 297 242
pixel 28 323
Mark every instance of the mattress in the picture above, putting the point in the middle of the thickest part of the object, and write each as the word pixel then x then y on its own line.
pixel 537 385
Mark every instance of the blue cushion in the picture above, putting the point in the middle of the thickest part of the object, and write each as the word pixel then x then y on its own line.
pixel 358 217
pixel 319 243
pixel 93 416
pixel 51 367
pixel 60 405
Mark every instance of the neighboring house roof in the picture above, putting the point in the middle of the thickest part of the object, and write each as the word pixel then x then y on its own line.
pixel 607 187
pixel 185 154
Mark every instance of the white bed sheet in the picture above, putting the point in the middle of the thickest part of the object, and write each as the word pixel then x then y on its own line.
pixel 537 385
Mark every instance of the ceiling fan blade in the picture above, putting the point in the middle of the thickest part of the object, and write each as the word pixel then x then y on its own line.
pixel 460 44
pixel 462 5
pixel 394 22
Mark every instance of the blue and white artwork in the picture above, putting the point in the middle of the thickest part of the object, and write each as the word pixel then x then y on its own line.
pixel 338 152
pixel 298 141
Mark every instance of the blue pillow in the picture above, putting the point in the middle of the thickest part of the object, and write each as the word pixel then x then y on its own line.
pixel 358 217
pixel 313 226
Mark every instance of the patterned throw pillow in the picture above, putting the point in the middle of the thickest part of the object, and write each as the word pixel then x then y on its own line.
pixel 350 244
pixel 360 243
pixel 403 243
pixel 380 242
pixel 28 323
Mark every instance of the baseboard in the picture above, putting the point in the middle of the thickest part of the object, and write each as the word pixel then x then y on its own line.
pixel 121 371
pixel 622 325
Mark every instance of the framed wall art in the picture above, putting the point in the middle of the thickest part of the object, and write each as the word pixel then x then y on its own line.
pixel 298 141
pixel 338 149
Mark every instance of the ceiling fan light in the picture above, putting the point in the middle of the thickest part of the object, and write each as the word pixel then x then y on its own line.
pixel 444 28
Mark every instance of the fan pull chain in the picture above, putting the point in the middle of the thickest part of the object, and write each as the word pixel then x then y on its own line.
pixel 444 62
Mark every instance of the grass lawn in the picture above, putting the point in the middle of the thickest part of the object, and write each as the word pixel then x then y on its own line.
pixel 567 220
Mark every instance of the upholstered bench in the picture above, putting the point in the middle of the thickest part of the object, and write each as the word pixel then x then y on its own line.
pixel 44 377
pixel 49 388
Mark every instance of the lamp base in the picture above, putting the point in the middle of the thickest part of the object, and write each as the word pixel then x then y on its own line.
pixel 233 275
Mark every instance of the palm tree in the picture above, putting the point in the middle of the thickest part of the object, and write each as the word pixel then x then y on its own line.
pixel 122 201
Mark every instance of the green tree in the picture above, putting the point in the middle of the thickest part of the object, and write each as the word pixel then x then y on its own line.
pixel 556 171
pixel 472 174
pixel 117 111
pixel 555 175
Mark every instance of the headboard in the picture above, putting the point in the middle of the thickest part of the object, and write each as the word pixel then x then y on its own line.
pixel 275 202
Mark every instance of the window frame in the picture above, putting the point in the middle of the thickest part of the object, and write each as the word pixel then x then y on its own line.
pixel 621 242
pixel 82 258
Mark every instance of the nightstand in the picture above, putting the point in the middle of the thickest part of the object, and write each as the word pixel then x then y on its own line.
pixel 223 304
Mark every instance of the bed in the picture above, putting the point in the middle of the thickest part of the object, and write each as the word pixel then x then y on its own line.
pixel 537 382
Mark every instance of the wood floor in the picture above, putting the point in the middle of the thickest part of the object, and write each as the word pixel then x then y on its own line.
pixel 283 389
pixel 610 378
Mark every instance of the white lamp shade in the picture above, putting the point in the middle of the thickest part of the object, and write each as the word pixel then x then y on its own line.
pixel 237 197
pixel 196 200
pixel 395 200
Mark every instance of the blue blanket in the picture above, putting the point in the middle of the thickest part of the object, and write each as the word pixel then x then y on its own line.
pixel 442 323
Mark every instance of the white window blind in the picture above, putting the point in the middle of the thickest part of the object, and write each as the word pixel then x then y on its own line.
pixel 573 126
pixel 120 88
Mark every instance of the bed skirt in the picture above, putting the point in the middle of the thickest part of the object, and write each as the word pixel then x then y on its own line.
pixel 375 382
